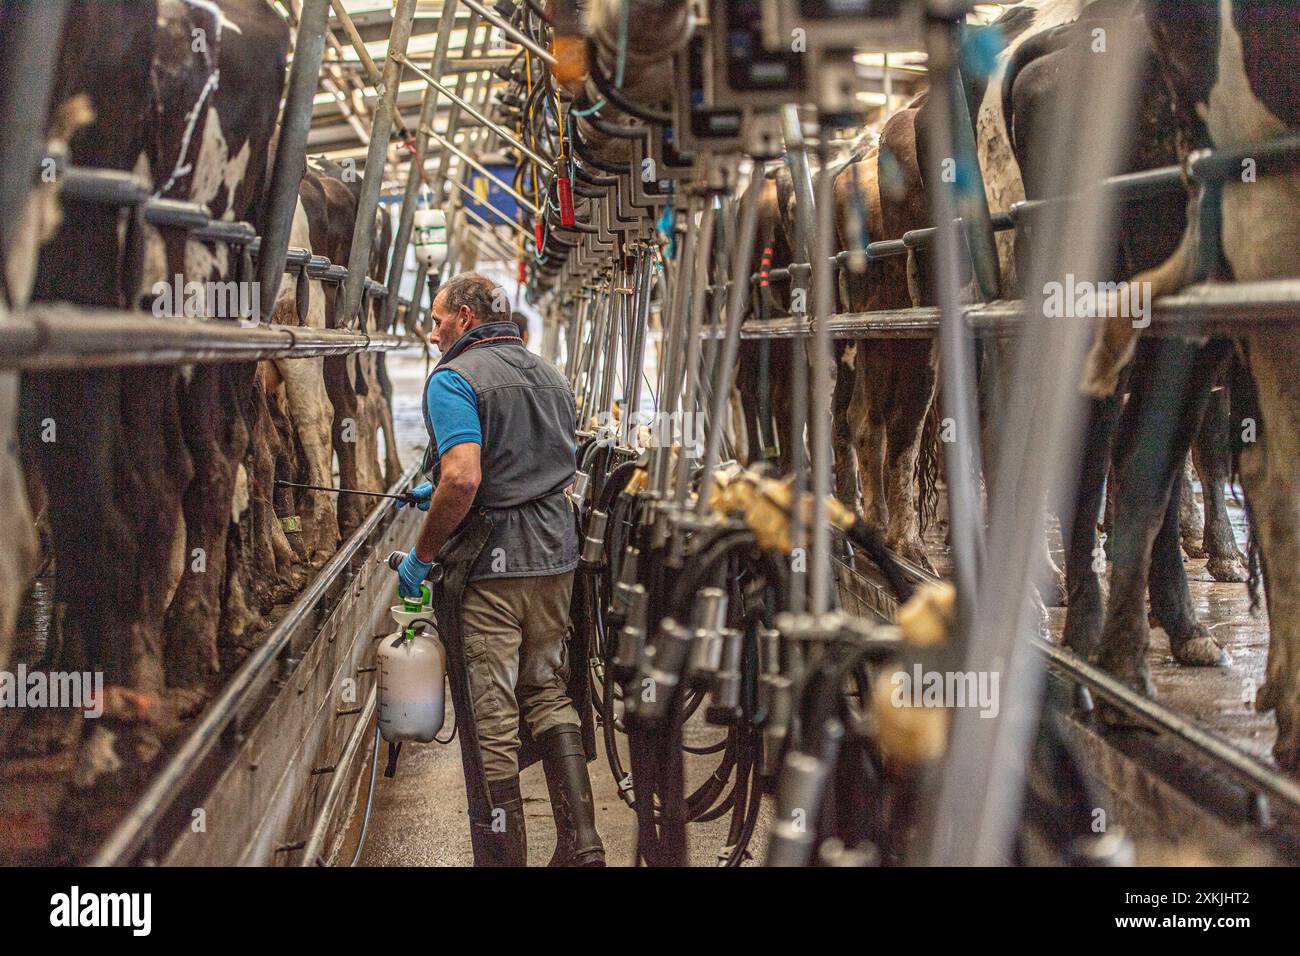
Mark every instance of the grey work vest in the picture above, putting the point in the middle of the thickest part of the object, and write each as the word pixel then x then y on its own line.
pixel 527 416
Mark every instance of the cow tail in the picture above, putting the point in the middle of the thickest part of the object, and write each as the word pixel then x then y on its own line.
pixel 927 470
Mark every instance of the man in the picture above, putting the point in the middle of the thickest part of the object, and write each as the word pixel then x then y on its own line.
pixel 501 424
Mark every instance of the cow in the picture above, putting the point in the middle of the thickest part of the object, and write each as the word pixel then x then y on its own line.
pixel 91 256
pixel 763 371
pixel 305 403
pixel 894 380
pixel 150 465
pixel 1233 71
pixel 357 385
pixel 1016 105
pixel 763 365
pixel 229 518
pixel 22 498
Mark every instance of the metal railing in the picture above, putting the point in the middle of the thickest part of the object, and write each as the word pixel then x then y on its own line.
pixel 871 596
pixel 1202 309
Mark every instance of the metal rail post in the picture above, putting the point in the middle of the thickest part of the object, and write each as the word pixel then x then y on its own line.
pixel 796 157
pixel 291 151
pixel 36 28
pixel 415 171
pixel 963 466
pixel 823 238
pixel 694 321
pixel 363 231
pixel 640 319
pixel 736 304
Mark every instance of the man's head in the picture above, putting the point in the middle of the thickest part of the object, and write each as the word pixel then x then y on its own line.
pixel 521 322
pixel 463 302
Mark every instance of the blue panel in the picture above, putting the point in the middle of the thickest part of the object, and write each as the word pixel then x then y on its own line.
pixel 494 202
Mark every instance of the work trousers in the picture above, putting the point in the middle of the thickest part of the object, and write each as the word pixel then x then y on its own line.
pixel 516 659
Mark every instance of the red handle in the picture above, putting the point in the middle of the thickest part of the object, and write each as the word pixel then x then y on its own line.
pixel 565 189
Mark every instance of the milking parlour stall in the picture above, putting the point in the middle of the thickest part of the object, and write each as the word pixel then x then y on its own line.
pixel 649 433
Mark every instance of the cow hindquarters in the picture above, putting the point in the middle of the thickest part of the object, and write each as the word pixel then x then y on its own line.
pixel 1272 482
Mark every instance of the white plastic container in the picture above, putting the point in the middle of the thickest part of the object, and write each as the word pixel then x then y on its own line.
pixel 412 681
pixel 430 231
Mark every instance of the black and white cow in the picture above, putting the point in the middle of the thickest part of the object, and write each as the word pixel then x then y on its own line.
pixel 1234 71
pixel 152 467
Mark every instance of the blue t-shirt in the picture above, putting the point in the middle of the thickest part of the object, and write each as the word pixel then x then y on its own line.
pixel 453 409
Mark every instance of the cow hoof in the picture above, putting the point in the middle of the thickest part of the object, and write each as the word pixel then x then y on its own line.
pixel 1228 569
pixel 915 552
pixel 1116 718
pixel 1192 548
pixel 1136 675
pixel 1201 651
pixel 1286 751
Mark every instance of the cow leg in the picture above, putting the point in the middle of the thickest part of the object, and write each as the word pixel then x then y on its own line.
pixel 1272 483
pixel 911 384
pixel 1085 609
pixel 1166 402
pixel 1213 458
pixel 867 413
pixel 781 383
pixel 846 482
pixel 369 469
pixel 346 427
pixel 1171 601
pixel 217 442
pixel 1191 527
pixel 313 421
pixel 392 461
pixel 746 389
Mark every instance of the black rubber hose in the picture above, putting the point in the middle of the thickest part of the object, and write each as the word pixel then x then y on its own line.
pixel 583 151
pixel 701 566
pixel 616 97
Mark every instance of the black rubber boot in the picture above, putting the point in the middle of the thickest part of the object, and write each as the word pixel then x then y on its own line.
pixel 576 841
pixel 503 839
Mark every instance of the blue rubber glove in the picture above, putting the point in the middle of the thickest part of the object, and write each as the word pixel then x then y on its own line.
pixel 411 574
pixel 422 491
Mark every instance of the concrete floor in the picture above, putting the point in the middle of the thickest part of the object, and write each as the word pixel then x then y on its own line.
pixel 419 818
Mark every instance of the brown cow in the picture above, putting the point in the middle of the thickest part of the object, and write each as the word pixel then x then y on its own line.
pixel 894 381
pixel 357 384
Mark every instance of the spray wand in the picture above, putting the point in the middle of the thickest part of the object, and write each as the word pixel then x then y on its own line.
pixel 405 497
